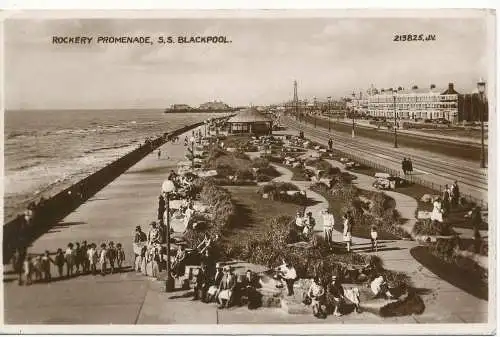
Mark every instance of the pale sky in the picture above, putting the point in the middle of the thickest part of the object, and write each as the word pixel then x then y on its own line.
pixel 327 56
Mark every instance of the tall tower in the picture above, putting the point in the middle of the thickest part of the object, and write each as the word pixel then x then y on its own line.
pixel 295 99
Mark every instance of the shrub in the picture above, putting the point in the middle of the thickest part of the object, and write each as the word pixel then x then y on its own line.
pixel 260 163
pixel 428 227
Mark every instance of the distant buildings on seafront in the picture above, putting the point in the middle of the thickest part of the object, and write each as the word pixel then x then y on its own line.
pixel 429 103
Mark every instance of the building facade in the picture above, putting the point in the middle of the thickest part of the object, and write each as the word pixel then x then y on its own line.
pixel 250 121
pixel 415 104
pixel 215 105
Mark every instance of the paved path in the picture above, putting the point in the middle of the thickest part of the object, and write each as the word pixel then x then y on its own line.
pixel 111 214
pixel 128 298
pixel 444 302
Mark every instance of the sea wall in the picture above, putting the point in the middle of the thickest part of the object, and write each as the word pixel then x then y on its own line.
pixel 17 233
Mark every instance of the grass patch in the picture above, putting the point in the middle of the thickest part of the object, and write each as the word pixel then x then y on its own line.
pixel 470 282
pixel 253 213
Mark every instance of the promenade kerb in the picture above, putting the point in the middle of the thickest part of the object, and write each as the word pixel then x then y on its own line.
pixel 64 202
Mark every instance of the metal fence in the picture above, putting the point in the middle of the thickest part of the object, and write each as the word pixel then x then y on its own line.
pixel 412 178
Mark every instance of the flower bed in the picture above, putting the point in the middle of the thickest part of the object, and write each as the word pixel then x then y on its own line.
pixel 462 272
pixel 278 191
pixel 270 248
pixel 429 227
pixel 346 197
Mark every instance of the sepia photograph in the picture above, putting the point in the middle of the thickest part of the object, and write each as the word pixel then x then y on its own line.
pixel 249 170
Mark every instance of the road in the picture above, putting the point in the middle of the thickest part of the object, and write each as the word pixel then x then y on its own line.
pixel 432 169
pixel 467 150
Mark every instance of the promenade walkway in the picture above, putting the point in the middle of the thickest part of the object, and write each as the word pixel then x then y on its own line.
pixel 128 298
pixel 444 302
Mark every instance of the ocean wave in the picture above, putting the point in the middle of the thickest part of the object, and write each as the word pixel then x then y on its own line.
pixel 20 134
pixel 113 147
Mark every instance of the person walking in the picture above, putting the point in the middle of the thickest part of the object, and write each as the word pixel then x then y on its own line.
pixel 446 201
pixel 328 224
pixel 159 153
pixel 410 165
pixel 330 144
pixel 455 194
pixel 404 165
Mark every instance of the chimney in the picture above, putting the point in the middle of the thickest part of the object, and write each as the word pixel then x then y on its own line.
pixel 450 87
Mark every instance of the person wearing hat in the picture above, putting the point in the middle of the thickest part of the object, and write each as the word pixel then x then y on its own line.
pixel 328 224
pixel 455 194
pixel 178 264
pixel 83 257
pixel 316 293
pixel 154 234
pixel 310 223
pixel 200 283
pixel 140 236
pixel 335 295
pixel 215 283
pixel 287 272
pixel 226 287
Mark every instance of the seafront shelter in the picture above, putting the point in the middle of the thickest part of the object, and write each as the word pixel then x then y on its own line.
pixel 250 121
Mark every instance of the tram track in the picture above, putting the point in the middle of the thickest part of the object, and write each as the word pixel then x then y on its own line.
pixel 448 170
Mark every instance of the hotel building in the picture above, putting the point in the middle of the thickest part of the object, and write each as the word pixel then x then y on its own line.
pixel 426 103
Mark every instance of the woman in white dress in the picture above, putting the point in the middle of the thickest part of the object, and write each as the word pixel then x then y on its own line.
pixel 347 230
pixel 437 212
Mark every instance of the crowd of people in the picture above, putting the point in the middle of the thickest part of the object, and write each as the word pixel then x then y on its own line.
pixel 78 259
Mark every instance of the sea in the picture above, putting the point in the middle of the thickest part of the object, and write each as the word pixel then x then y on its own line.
pixel 46 151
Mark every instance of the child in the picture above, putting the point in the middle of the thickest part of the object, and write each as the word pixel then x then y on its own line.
pixel 59 261
pixel 144 258
pixel 155 263
pixel 70 259
pixel 37 268
pixel 103 259
pixel 83 257
pixel 92 258
pixel 28 269
pixel 46 260
pixel 112 256
pixel 78 258
pixel 374 235
pixel 120 256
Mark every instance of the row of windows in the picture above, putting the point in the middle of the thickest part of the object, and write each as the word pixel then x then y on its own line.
pixel 386 106
pixel 415 114
pixel 390 99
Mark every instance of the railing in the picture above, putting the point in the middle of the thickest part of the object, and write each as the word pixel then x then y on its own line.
pixel 410 177
pixel 17 233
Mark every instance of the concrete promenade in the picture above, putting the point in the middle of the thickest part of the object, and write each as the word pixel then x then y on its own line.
pixel 127 298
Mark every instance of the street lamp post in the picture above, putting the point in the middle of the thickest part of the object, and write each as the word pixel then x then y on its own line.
pixel 167 188
pixel 395 120
pixel 481 86
pixel 314 111
pixel 352 115
pixel 192 141
pixel 329 113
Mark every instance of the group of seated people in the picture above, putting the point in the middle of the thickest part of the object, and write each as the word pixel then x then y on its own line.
pixel 225 287
pixel 325 297
pixel 304 225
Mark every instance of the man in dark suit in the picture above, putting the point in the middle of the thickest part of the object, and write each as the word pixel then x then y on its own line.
pixel 200 282
pixel 248 288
